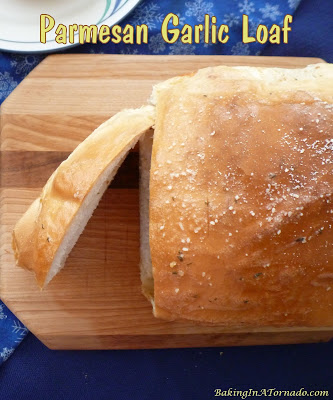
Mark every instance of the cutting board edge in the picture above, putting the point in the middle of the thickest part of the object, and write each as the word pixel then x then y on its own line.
pixel 170 341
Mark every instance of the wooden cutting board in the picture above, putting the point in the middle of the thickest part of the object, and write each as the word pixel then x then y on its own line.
pixel 96 301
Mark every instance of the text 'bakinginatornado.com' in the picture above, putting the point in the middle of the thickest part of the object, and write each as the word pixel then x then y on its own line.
pixel 272 392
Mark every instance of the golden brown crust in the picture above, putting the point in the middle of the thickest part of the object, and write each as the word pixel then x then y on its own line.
pixel 241 197
pixel 40 232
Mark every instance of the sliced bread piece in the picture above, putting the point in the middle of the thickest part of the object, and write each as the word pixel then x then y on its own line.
pixel 47 232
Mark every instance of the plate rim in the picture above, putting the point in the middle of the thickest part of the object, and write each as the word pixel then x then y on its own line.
pixel 52 46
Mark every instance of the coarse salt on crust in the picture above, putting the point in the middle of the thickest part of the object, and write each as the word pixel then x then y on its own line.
pixel 243 187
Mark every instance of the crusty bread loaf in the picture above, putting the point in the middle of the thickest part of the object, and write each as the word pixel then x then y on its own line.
pixel 241 208
pixel 45 235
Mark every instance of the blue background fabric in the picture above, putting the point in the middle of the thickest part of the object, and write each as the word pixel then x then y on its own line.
pixel 12 332
pixel 36 372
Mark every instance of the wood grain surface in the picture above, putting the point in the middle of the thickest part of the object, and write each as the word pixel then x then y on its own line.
pixel 95 302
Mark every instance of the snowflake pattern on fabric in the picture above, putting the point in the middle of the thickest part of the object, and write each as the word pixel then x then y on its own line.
pixel 270 11
pixel 293 4
pixel 7 84
pixel 5 353
pixel 20 330
pixel 129 50
pixel 156 44
pixel 2 314
pixel 246 7
pixel 182 19
pixel 240 49
pixel 12 332
pixel 202 40
pixel 198 9
pixel 181 48
pixel 23 64
pixel 148 13
pixel 14 67
pixel 232 19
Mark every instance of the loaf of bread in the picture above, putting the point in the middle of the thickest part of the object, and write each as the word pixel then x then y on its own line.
pixel 235 196
pixel 47 232
pixel 241 208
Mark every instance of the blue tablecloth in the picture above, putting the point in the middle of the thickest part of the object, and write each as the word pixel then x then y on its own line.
pixel 173 374
pixel 35 372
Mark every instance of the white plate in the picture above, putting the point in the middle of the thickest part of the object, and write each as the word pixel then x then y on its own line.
pixel 20 19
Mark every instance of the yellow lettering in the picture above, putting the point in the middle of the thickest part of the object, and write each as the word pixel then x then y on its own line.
pixel 72 29
pixel 197 30
pixel 116 30
pixel 44 29
pixel 61 34
pixel 213 30
pixel 187 34
pixel 87 34
pixel 165 31
pixel 128 34
pixel 104 34
pixel 142 34
pixel 288 19
pixel 207 25
pixel 223 29
pixel 275 33
pixel 246 37
pixel 262 34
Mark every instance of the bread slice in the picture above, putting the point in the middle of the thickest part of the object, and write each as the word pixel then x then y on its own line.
pixel 146 143
pixel 241 187
pixel 47 232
